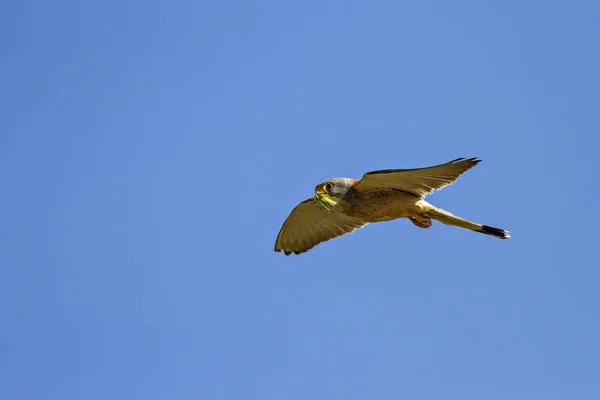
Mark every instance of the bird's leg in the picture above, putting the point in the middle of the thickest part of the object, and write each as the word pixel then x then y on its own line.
pixel 420 221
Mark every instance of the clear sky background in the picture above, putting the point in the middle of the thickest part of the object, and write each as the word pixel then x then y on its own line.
pixel 150 152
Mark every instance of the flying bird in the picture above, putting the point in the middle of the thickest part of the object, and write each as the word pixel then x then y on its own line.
pixel 341 205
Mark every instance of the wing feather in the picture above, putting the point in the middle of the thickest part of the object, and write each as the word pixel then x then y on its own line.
pixel 308 225
pixel 418 181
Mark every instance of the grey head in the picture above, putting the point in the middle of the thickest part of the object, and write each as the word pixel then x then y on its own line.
pixel 336 187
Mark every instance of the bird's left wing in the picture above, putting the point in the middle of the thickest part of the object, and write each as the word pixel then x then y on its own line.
pixel 419 181
pixel 308 225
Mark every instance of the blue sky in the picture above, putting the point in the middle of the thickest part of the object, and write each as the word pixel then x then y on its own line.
pixel 151 151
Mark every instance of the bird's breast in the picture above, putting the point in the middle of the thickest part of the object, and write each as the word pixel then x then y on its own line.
pixel 382 205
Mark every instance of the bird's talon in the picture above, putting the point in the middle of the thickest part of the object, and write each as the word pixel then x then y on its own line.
pixel 419 221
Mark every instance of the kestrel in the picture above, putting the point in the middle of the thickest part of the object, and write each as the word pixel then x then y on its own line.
pixel 341 205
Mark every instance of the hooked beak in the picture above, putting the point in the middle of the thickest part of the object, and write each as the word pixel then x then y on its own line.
pixel 320 190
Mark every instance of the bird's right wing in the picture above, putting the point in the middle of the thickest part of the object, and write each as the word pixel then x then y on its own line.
pixel 308 225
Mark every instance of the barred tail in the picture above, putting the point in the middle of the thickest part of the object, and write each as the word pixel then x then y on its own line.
pixel 450 219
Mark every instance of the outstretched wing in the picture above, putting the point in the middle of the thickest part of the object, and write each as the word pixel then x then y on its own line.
pixel 308 225
pixel 419 181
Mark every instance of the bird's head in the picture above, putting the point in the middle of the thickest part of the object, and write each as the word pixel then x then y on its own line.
pixel 330 192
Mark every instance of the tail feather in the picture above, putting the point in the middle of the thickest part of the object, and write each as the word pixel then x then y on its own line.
pixel 499 233
pixel 450 219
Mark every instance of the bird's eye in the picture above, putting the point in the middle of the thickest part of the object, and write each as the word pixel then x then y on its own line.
pixel 328 186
